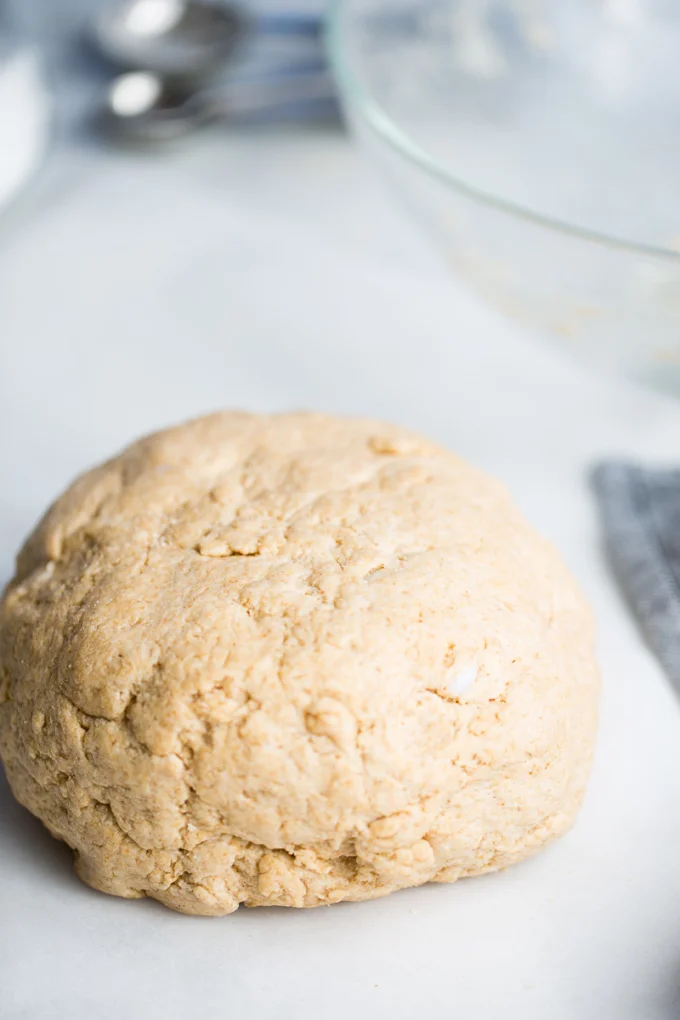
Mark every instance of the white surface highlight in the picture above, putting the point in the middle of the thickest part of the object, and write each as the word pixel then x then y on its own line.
pixel 460 680
pixel 153 17
pixel 134 93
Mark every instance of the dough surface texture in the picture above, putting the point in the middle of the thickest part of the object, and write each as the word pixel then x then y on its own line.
pixel 292 660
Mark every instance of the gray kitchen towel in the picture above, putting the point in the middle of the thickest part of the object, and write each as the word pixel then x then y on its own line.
pixel 640 512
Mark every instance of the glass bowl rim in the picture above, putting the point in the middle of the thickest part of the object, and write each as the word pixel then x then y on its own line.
pixel 356 96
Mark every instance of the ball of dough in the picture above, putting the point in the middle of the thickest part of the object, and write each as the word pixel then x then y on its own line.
pixel 292 660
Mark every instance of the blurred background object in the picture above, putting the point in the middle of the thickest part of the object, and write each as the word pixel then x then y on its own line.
pixel 540 142
pixel 193 38
pixel 179 38
pixel 23 106
pixel 142 107
pixel 178 47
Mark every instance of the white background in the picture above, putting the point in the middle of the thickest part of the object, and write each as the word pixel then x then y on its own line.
pixel 273 271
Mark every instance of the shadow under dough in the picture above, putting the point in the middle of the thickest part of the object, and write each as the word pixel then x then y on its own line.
pixel 24 838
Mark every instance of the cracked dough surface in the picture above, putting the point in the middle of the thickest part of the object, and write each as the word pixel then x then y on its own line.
pixel 292 660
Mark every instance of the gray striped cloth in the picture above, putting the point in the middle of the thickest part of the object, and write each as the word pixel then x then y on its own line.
pixel 640 511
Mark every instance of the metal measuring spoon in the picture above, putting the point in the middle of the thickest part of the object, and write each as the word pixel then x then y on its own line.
pixel 188 38
pixel 183 38
pixel 143 107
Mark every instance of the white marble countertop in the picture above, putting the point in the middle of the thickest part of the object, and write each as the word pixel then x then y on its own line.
pixel 274 271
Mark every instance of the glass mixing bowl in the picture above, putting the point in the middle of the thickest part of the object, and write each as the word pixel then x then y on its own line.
pixel 540 139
